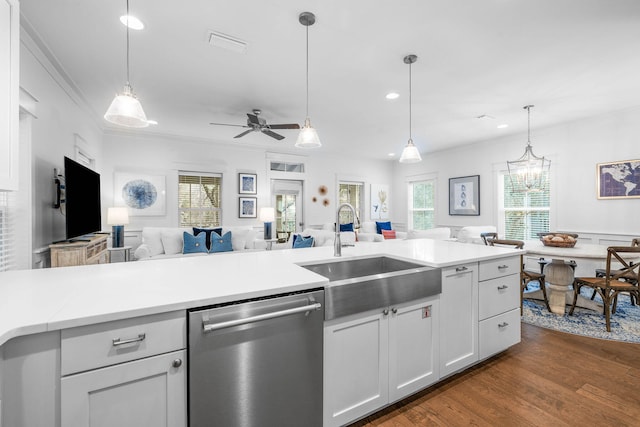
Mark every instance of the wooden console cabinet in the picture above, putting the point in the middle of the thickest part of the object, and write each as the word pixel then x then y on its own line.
pixel 68 254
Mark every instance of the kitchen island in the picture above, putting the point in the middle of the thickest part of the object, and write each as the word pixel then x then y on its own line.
pixel 37 307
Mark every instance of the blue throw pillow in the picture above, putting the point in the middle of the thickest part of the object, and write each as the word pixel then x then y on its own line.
pixel 207 232
pixel 193 244
pixel 302 242
pixel 383 226
pixel 346 227
pixel 221 243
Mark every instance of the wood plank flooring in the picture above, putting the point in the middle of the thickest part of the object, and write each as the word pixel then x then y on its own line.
pixel 549 379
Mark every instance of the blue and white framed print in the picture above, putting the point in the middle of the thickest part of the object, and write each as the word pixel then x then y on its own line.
pixel 144 195
pixel 247 183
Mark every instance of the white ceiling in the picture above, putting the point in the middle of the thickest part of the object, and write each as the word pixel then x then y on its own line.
pixel 571 58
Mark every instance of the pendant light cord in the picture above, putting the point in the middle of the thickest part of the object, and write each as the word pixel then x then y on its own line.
pixel 410 101
pixel 128 84
pixel 307 70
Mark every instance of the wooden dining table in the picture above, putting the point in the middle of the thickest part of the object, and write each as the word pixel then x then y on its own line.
pixel 559 274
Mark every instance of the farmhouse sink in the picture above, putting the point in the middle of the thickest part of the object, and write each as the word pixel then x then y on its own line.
pixel 366 283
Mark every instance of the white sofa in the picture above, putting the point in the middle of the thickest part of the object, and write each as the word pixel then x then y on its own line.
pixel 438 233
pixel 167 242
pixel 471 234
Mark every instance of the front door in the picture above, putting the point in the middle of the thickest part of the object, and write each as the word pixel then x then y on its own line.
pixel 286 196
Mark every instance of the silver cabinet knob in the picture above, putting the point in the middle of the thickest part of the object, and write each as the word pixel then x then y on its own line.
pixel 394 310
pixel 177 363
pixel 385 311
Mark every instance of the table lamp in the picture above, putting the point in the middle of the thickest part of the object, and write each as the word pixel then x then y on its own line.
pixel 117 217
pixel 267 215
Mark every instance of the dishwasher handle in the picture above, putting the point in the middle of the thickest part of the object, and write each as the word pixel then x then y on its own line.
pixel 230 323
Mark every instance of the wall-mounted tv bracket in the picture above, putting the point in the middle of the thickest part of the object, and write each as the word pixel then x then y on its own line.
pixel 59 189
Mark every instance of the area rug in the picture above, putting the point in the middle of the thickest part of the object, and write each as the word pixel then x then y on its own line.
pixel 625 323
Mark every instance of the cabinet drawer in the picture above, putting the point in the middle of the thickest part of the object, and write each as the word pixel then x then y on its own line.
pixel 94 346
pixel 499 295
pixel 499 267
pixel 499 333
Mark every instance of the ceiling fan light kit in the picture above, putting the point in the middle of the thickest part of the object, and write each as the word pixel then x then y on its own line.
pixel 258 124
pixel 308 137
pixel 125 109
pixel 410 153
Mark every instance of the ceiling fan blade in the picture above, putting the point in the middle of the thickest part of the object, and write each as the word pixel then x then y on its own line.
pixel 227 124
pixel 253 119
pixel 243 133
pixel 272 134
pixel 285 126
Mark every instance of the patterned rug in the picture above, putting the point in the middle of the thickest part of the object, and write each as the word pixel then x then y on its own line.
pixel 625 323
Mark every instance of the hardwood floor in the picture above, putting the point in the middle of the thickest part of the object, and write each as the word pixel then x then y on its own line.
pixel 549 379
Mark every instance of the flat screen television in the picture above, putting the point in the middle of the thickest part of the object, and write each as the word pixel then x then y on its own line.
pixel 82 200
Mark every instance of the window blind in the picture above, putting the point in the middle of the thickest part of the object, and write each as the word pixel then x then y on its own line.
pixel 524 213
pixel 7 232
pixel 199 201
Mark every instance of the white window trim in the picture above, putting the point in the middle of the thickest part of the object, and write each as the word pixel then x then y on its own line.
pixel 409 180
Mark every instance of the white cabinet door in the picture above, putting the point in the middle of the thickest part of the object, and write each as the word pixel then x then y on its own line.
pixel 9 92
pixel 413 347
pixel 149 392
pixel 355 368
pixel 458 318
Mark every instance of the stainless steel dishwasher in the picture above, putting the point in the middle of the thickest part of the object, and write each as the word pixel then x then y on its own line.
pixel 257 362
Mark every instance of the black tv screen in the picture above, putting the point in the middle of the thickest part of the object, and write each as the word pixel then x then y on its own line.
pixel 82 199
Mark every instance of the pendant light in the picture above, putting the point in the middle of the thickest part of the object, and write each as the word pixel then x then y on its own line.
pixel 308 137
pixel 410 154
pixel 126 110
pixel 527 173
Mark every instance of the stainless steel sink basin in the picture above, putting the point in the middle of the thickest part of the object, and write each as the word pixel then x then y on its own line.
pixel 366 283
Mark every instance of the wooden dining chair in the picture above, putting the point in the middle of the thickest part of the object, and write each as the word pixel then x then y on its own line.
pixel 601 272
pixel 614 282
pixel 526 276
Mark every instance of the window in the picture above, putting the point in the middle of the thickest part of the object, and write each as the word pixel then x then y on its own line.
pixel 6 233
pixel 422 204
pixel 352 193
pixel 199 199
pixel 287 167
pixel 522 214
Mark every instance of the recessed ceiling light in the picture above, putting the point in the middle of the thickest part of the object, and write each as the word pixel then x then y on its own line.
pixel 152 122
pixel 502 126
pixel 392 95
pixel 131 22
pixel 391 154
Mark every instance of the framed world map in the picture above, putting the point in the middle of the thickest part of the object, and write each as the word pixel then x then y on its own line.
pixel 618 180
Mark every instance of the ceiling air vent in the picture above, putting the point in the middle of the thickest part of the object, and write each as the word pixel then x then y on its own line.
pixel 226 42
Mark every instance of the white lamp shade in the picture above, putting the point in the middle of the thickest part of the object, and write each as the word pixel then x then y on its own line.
pixel 267 214
pixel 410 154
pixel 118 216
pixel 126 110
pixel 308 137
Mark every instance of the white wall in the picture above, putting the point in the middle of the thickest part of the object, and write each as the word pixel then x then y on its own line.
pixel 61 122
pixel 574 148
pixel 166 156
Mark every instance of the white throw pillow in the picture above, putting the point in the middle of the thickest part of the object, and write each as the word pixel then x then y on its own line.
pixel 151 236
pixel 172 240
pixel 368 227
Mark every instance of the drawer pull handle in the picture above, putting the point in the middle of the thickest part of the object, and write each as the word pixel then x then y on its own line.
pixel 503 287
pixel 502 267
pixel 503 325
pixel 459 269
pixel 118 341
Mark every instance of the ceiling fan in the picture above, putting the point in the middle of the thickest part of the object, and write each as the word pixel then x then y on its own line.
pixel 258 124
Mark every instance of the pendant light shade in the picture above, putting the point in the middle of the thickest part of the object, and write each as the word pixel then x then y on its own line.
pixel 527 173
pixel 125 109
pixel 308 137
pixel 410 154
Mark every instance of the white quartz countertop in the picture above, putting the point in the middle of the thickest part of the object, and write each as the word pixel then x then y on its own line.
pixel 33 301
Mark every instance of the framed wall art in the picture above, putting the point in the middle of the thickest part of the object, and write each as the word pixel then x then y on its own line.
pixel 247 183
pixel 464 195
pixel 144 195
pixel 247 207
pixel 618 180
pixel 379 201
